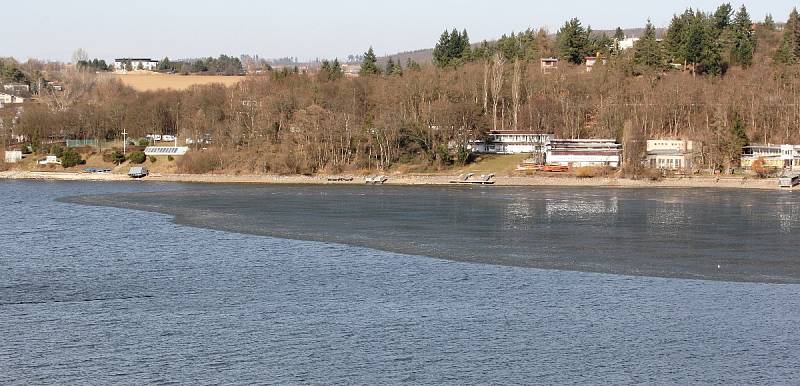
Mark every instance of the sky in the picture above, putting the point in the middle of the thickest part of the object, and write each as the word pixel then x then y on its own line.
pixel 307 29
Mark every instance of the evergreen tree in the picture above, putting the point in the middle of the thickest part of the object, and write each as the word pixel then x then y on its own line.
pixel 744 40
pixel 369 66
pixel 453 48
pixel 440 55
pixel 677 35
pixel 792 32
pixel 738 140
pixel 398 69
pixel 648 52
pixel 412 65
pixel 336 69
pixel 573 41
pixel 769 23
pixel 619 34
pixel 785 52
pixel 789 49
pixel 722 17
pixel 389 67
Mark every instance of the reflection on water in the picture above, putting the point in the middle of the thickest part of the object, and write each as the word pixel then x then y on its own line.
pixel 582 208
pixel 702 233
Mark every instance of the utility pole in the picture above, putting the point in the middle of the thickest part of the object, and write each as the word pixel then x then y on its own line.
pixel 124 141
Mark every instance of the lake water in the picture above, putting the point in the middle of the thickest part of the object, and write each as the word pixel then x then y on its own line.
pixel 332 285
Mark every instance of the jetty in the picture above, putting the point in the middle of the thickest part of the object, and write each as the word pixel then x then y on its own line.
pixel 484 179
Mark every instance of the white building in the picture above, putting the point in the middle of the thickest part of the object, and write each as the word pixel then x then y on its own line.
pixel 670 154
pixel 135 64
pixel 13 156
pixel 165 150
pixel 627 43
pixel 583 152
pixel 8 99
pixel 50 160
pixel 512 142
pixel 17 87
pixel 772 155
pixel 790 155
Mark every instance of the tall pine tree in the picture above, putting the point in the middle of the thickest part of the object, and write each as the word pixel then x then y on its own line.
pixel 648 51
pixel 744 40
pixel 573 41
pixel 369 66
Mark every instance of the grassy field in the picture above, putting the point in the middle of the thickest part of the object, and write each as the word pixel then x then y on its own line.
pixel 499 164
pixel 154 81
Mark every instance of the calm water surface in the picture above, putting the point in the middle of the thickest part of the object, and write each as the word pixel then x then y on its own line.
pixel 95 294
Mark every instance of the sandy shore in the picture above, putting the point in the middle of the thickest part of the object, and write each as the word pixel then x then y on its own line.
pixel 688 182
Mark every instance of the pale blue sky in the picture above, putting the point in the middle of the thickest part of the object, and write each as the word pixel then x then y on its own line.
pixel 53 29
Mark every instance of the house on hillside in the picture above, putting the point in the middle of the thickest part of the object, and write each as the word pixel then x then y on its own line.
pixel 16 88
pixel 627 43
pixel 583 152
pixel 548 64
pixel 10 99
pixel 512 142
pixel 591 61
pixel 670 154
pixel 13 156
pixel 121 64
pixel 772 155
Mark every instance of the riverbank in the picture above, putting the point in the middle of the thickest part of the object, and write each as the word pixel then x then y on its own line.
pixel 409 179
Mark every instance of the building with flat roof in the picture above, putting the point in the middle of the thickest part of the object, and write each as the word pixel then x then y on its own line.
pixel 670 154
pixel 121 64
pixel 772 155
pixel 512 142
pixel 583 152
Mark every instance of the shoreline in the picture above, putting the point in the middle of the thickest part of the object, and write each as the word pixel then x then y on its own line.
pixel 406 180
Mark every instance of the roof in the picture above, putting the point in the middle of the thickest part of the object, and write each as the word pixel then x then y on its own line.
pixel 136 59
pixel 675 152
pixel 513 132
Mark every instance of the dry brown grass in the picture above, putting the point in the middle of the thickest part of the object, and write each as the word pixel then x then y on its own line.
pixel 593 171
pixel 154 81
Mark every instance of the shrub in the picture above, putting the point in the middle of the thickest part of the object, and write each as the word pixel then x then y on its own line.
pixel 153 159
pixel 57 151
pixel 26 149
pixel 170 158
pixel 592 171
pixel 200 162
pixel 760 169
pixel 116 157
pixel 70 158
pixel 144 142
pixel 137 157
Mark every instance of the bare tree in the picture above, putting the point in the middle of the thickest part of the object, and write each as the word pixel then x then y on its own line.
pixel 498 69
pixel 80 55
pixel 515 91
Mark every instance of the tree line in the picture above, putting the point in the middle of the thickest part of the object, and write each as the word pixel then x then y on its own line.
pixel 424 118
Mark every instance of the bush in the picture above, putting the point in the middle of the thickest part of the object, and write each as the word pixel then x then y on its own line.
pixel 153 159
pixel 144 142
pixel 170 158
pixel 70 158
pixel 137 157
pixel 592 171
pixel 200 162
pixel 57 151
pixel 26 149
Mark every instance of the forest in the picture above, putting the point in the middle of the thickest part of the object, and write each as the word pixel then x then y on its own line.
pixel 717 78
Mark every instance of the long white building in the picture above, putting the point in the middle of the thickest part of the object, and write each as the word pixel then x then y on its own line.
pixel 136 64
pixel 583 152
pixel 512 142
